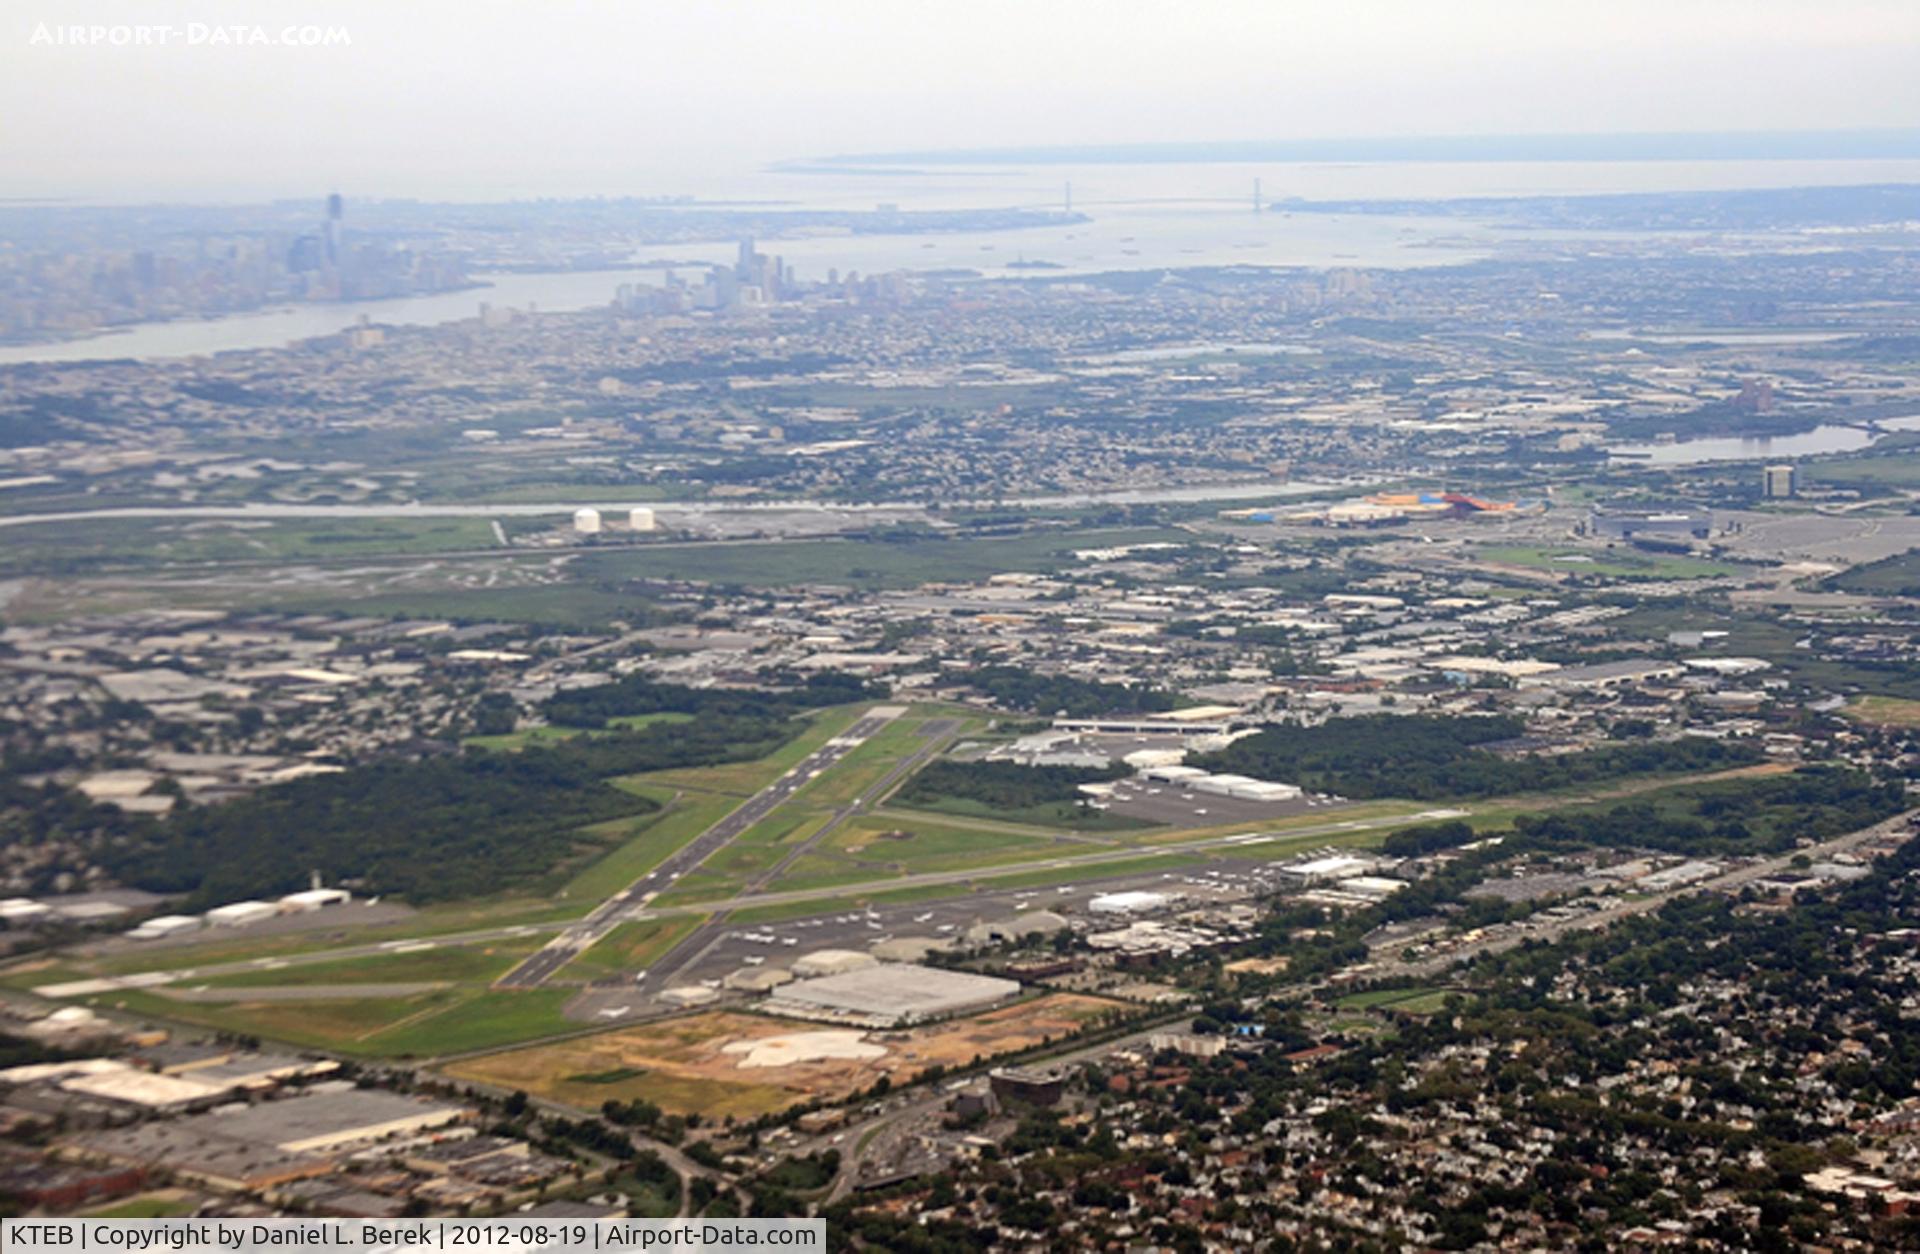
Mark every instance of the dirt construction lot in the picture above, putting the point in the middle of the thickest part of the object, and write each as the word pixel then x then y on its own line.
pixel 724 1063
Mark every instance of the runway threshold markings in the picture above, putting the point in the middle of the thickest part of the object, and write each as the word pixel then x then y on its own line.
pixel 546 962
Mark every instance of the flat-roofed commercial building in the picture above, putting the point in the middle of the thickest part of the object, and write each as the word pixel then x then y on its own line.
pixel 1601 676
pixel 319 1123
pixel 191 1153
pixel 891 994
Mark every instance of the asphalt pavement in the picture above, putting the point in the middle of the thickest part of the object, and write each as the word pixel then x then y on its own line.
pixel 695 945
pixel 543 965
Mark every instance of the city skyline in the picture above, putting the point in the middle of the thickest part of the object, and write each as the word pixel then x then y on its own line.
pixel 991 627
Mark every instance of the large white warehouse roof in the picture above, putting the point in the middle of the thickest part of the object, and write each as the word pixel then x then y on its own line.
pixel 1127 903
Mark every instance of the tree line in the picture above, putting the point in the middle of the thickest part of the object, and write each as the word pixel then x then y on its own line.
pixel 461 825
pixel 1430 757
pixel 637 695
pixel 1002 785
pixel 1016 688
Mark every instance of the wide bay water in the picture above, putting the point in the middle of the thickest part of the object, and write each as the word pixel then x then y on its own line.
pixel 1150 216
pixel 1828 438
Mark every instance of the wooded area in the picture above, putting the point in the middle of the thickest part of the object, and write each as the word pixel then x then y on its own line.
pixel 1002 785
pixel 463 825
pixel 1018 689
pixel 1429 758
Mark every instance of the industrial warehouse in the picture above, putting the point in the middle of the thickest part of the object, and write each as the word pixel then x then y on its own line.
pixel 890 994
pixel 256 1146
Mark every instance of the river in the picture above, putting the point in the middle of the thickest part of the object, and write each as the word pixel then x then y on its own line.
pixel 278 327
pixel 1144 217
pixel 1829 438
pixel 1120 239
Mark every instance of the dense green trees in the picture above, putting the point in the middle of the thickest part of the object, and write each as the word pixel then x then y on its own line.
pixel 63 823
pixel 636 695
pixel 493 715
pixel 1898 575
pixel 431 830
pixel 1016 688
pixel 1428 757
pixel 1002 785
pixel 1748 817
pixel 1414 841
pixel 462 825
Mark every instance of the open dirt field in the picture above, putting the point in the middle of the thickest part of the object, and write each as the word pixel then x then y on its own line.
pixel 724 1063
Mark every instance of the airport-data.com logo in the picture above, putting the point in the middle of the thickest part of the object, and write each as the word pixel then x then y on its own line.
pixel 188 35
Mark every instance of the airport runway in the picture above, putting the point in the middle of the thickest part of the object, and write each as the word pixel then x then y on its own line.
pixel 562 949
pixel 728 948
pixel 966 905
pixel 693 947
pixel 934 735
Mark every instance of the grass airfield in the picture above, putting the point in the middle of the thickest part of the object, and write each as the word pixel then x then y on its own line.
pixel 823 872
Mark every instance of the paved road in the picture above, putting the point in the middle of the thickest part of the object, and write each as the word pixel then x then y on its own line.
pixel 609 914
pixel 1731 881
pixel 682 1166
pixel 908 1116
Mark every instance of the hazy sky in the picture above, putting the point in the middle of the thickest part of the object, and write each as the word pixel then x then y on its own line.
pixel 485 98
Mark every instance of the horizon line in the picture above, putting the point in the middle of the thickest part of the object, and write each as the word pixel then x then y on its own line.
pixel 1864 143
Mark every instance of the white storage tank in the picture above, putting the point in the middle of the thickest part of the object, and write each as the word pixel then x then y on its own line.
pixel 586 522
pixel 641 518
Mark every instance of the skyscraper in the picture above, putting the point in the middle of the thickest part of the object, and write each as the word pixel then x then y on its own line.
pixel 1778 482
pixel 336 209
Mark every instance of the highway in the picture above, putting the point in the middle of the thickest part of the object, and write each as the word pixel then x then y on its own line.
pixel 886 1135
pixel 541 966
pixel 1727 882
